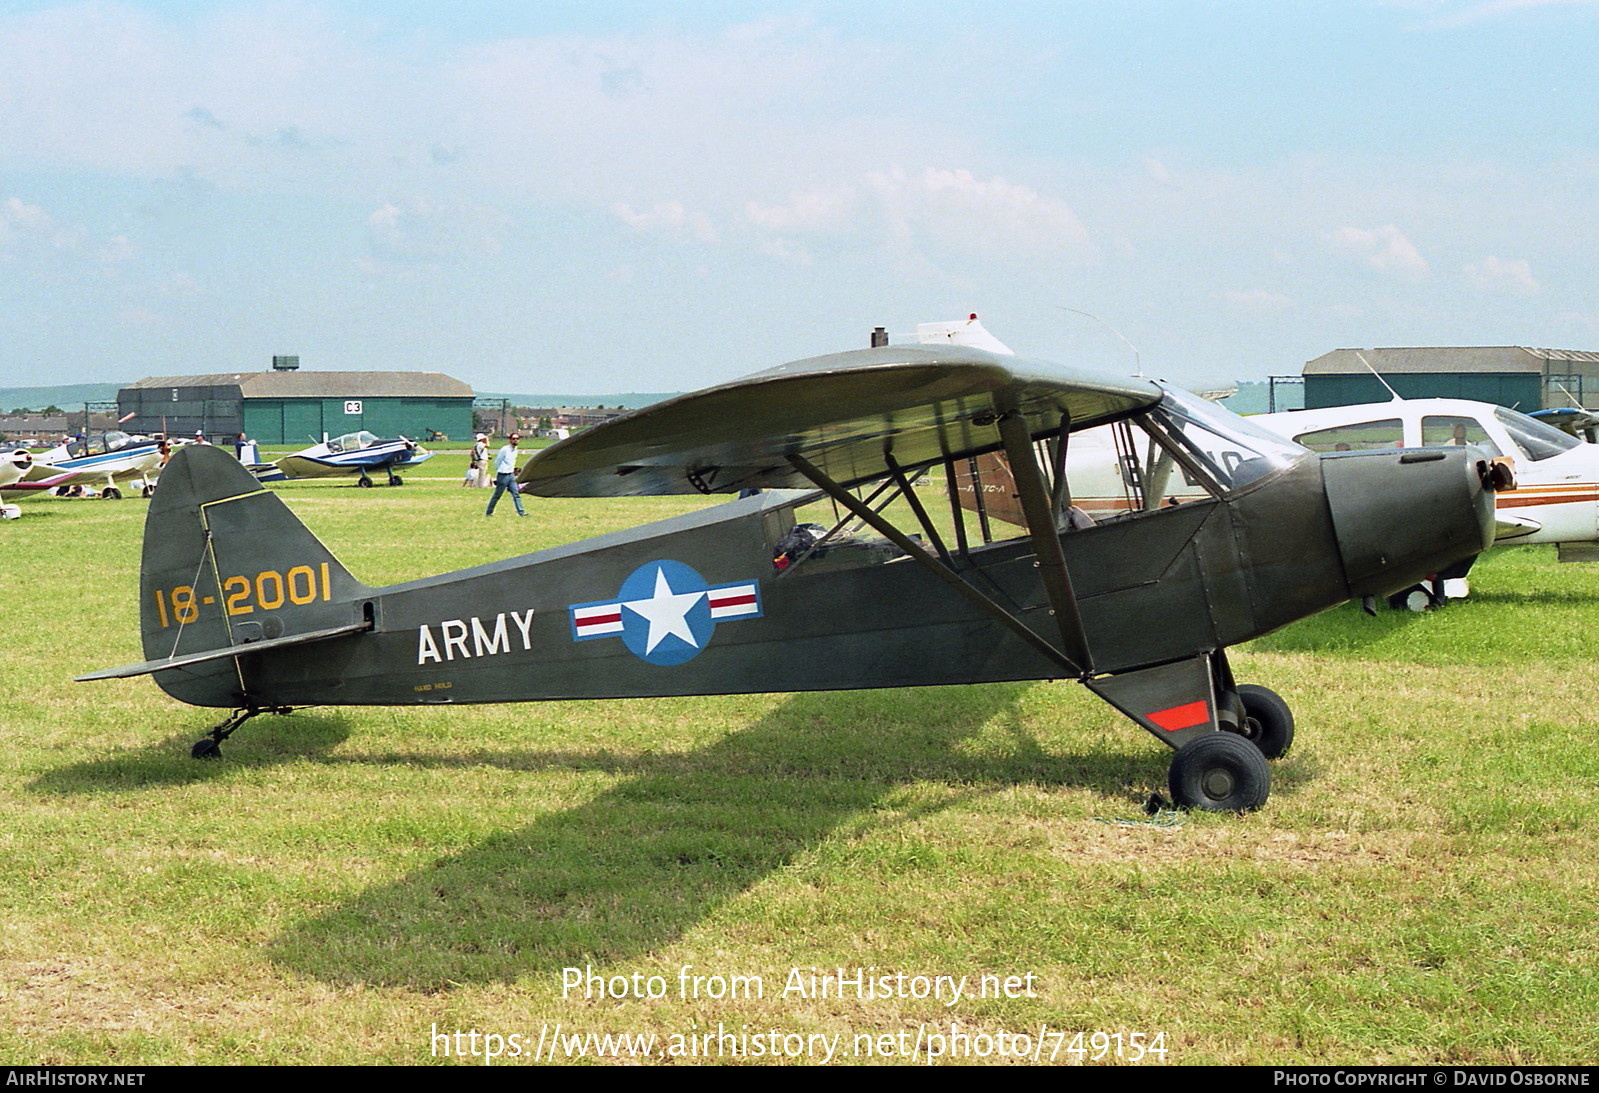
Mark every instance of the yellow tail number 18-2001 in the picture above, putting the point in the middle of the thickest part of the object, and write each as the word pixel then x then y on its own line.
pixel 267 590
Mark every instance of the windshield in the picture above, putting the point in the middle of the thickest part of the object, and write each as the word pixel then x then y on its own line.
pixel 1535 439
pixel 1232 449
pixel 350 442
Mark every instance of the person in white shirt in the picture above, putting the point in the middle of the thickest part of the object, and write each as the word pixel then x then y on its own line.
pixel 477 469
pixel 505 475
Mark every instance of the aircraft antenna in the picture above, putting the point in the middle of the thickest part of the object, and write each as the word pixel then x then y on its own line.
pixel 1138 364
pixel 1378 374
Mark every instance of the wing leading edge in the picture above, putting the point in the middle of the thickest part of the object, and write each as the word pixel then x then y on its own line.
pixel 849 414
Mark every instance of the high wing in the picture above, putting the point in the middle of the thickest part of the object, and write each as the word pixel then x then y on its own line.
pixel 854 416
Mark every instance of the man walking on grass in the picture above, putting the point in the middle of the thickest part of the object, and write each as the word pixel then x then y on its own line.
pixel 505 475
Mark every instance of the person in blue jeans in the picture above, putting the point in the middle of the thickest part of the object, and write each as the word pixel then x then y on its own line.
pixel 505 475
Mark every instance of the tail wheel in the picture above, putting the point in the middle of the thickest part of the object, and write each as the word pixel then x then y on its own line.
pixel 1268 722
pixel 1219 772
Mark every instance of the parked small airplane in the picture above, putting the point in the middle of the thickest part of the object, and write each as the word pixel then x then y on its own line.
pixel 241 606
pixel 15 465
pixel 359 453
pixel 1556 499
pixel 107 458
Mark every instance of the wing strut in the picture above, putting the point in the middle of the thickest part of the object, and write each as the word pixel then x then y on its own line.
pixel 915 550
pixel 1038 507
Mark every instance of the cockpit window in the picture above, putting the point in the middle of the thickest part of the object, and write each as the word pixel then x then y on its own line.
pixel 1534 439
pixel 351 442
pixel 1232 449
pixel 1453 431
pixel 1388 433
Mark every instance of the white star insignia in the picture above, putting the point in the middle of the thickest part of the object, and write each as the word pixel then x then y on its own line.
pixel 667 612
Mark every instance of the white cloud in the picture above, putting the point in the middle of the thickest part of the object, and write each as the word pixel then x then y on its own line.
pixel 1158 171
pixel 420 231
pixel 825 209
pixel 668 217
pixel 1498 275
pixel 1384 249
pixel 992 217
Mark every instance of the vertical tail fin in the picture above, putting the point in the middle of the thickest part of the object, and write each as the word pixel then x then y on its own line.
pixel 225 562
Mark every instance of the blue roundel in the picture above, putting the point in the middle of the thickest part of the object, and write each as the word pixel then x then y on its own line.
pixel 666 615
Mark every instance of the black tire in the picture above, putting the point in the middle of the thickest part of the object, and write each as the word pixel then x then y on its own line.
pixel 1268 722
pixel 396 480
pixel 364 482
pixel 206 749
pixel 1219 772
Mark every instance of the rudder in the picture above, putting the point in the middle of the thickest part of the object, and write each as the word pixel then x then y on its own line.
pixel 225 562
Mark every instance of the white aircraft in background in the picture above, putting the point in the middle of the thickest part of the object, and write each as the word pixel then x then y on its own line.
pixel 1556 499
pixel 16 465
pixel 103 460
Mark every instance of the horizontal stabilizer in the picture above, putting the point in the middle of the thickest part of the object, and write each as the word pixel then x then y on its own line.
pixel 146 667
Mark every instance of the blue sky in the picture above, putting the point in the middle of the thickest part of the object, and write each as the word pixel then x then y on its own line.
pixel 610 197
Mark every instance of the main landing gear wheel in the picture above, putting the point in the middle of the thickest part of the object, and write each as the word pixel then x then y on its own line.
pixel 1219 772
pixel 396 480
pixel 364 482
pixel 149 490
pixel 111 493
pixel 1268 722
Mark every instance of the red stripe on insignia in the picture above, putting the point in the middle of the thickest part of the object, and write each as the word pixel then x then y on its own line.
pixel 1182 717
pixel 732 601
pixel 599 620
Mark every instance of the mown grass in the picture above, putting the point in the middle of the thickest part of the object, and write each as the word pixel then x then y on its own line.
pixel 1418 889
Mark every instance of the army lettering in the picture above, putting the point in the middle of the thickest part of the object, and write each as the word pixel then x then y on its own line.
pixel 467 638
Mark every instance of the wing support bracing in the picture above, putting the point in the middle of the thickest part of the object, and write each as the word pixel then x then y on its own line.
pixel 931 562
pixel 1038 507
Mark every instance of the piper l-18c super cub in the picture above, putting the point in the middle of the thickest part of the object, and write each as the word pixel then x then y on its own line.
pixel 241 606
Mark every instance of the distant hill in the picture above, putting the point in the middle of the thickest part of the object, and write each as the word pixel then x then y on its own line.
pixel 71 396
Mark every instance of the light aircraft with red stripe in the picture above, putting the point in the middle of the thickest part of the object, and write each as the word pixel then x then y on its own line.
pixel 842 558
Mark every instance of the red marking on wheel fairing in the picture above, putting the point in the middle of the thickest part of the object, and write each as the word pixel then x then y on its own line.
pixel 1182 717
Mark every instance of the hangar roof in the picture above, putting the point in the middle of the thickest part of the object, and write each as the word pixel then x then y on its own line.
pixel 1471 358
pixel 282 384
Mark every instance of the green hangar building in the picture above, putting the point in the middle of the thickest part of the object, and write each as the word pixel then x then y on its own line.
pixel 287 406
pixel 1510 375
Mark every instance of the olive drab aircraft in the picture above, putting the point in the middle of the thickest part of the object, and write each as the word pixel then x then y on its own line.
pixel 243 608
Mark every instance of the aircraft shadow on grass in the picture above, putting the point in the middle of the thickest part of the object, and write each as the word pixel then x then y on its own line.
pixel 642 863
pixel 298 737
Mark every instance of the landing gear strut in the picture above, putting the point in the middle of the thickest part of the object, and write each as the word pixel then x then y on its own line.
pixel 210 745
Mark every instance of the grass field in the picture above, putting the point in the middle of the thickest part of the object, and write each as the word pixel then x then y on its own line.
pixel 346 883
